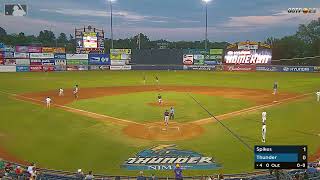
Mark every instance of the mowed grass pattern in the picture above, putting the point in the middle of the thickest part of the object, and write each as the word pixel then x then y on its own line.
pixel 136 107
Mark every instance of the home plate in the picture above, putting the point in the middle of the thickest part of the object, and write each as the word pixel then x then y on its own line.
pixel 275 101
pixel 164 129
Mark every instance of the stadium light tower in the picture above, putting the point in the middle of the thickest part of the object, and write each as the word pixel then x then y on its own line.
pixel 206 34
pixel 111 23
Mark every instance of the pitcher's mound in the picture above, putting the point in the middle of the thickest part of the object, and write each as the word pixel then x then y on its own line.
pixel 163 104
pixel 157 131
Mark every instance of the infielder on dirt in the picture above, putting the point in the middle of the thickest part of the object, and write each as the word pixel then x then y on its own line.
pixel 48 102
pixel 76 91
pixel 61 93
pixel 275 87
pixel 166 118
pixel 171 114
pixel 159 99
pixel 318 95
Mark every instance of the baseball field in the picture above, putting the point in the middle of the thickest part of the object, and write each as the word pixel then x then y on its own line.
pixel 117 115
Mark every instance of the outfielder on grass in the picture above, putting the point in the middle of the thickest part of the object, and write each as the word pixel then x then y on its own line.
pixel 318 95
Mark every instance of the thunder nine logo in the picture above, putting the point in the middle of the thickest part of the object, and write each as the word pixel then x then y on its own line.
pixel 164 157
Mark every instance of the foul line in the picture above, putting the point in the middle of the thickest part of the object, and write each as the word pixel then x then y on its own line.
pixel 226 127
pixel 248 110
pixel 79 111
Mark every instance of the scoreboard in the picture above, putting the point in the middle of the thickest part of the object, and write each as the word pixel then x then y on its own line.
pixel 281 157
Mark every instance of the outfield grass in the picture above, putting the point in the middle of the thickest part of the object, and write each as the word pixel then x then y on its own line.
pixel 62 140
pixel 34 82
pixel 135 107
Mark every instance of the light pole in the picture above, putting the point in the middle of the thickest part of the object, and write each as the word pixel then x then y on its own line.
pixel 111 23
pixel 206 33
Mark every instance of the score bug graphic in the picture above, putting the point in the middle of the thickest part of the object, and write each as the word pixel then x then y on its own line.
pixel 302 10
pixel 281 157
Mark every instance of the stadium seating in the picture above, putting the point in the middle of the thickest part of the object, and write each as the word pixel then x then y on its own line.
pixel 46 174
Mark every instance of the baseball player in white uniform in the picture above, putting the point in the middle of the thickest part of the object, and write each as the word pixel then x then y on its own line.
pixel 264 116
pixel 264 132
pixel 48 102
pixel 318 95
pixel 61 93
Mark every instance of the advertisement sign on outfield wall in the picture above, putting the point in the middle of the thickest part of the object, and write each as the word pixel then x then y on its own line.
pixel 60 56
pixel 60 68
pixel 59 50
pixel 22 68
pixel 7 68
pixel 77 56
pixel 21 49
pixel 118 62
pixel 35 62
pixel 33 49
pixel 316 69
pixel 297 69
pixel 188 59
pixel 200 68
pixel 8 54
pixel 246 68
pixel 268 68
pixel 98 59
pixel 120 68
pixel 21 55
pixel 11 62
pixel 97 67
pixel 60 62
pixel 77 62
pixel 23 61
pixel 36 68
pixel 41 55
pixel 48 68
pixel 48 61
pixel 9 48
pixel 47 49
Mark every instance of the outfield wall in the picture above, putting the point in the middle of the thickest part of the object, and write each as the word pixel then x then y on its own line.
pixel 81 65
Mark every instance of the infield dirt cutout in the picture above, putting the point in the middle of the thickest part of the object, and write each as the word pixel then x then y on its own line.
pixel 157 131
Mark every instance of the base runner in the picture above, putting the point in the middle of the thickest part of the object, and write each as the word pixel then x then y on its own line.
pixel 48 102
pixel 61 93
pixel 159 99
pixel 166 118
pixel 76 91
pixel 318 95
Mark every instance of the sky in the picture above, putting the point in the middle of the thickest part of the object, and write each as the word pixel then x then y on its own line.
pixel 228 20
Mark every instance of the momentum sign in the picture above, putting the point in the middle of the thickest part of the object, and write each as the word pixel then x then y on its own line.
pixel 164 157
